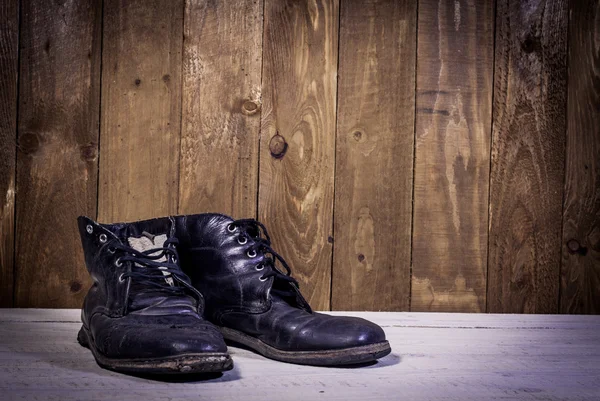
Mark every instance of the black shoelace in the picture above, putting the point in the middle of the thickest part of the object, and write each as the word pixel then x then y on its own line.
pixel 147 271
pixel 252 229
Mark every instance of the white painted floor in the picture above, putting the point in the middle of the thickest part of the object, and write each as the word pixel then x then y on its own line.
pixel 434 357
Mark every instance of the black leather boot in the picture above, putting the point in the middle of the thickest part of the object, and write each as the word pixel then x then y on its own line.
pixel 254 303
pixel 141 314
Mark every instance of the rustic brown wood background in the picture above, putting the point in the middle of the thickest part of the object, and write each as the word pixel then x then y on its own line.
pixel 431 155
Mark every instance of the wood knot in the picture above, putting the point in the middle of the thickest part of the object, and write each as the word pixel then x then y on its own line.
pixel 75 286
pixel 166 78
pixel 357 135
pixel 278 146
pixel 330 239
pixel 529 44
pixel 575 247
pixel 361 257
pixel 29 142
pixel 137 82
pixel 250 107
pixel 89 151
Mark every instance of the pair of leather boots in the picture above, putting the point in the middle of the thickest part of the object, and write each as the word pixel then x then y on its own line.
pixel 167 291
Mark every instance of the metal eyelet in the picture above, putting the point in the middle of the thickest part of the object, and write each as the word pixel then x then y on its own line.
pixel 103 238
pixel 231 228
pixel 245 240
pixel 111 249
pixel 259 267
pixel 251 253
pixel 89 229
pixel 263 279
pixel 121 279
pixel 118 262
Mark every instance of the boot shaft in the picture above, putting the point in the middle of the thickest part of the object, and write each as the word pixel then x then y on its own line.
pixel 127 262
pixel 232 264
pixel 215 260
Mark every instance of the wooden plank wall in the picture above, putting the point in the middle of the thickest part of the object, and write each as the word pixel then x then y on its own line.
pixel 57 159
pixel 405 155
pixel 375 126
pixel 9 54
pixel 528 150
pixel 452 150
pixel 580 274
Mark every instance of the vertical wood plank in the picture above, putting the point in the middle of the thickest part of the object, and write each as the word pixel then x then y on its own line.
pixel 453 127
pixel 9 54
pixel 141 109
pixel 527 156
pixel 298 137
pixel 580 272
pixel 221 107
pixel 374 160
pixel 57 148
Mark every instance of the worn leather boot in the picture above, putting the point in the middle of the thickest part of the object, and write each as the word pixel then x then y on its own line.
pixel 254 303
pixel 141 314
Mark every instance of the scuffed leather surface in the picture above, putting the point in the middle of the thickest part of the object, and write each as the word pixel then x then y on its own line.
pixel 126 323
pixel 143 336
pixel 236 298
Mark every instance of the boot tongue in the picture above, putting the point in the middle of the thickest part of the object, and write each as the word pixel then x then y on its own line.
pixel 150 300
pixel 147 242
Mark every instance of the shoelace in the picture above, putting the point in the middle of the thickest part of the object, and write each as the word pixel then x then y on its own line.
pixel 252 229
pixel 147 270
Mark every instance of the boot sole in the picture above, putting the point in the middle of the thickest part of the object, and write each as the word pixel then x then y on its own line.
pixel 180 364
pixel 334 357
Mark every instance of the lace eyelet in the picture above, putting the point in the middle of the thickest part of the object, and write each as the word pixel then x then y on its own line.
pixel 89 229
pixel 231 228
pixel 242 240
pixel 103 238
pixel 263 279
pixel 118 262
pixel 111 249
pixel 121 279
pixel 260 267
pixel 251 253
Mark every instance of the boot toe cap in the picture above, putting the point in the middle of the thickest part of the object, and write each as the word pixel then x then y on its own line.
pixel 138 339
pixel 356 332
pixel 326 332
pixel 369 333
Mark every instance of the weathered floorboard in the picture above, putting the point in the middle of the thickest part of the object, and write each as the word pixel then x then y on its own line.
pixel 141 109
pixel 453 128
pixel 9 54
pixel 221 107
pixel 527 156
pixel 57 159
pixel 298 137
pixel 434 357
pixel 580 271
pixel 374 155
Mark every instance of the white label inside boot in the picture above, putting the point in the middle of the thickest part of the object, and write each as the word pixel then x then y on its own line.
pixel 146 243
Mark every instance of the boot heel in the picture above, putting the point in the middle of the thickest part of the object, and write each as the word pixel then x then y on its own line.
pixel 83 337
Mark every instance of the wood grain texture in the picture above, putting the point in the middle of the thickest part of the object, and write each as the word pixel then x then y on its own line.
pixel 221 107
pixel 580 271
pixel 141 109
pixel 9 55
pixel 453 128
pixel 298 137
pixel 450 357
pixel 57 159
pixel 374 155
pixel 527 156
